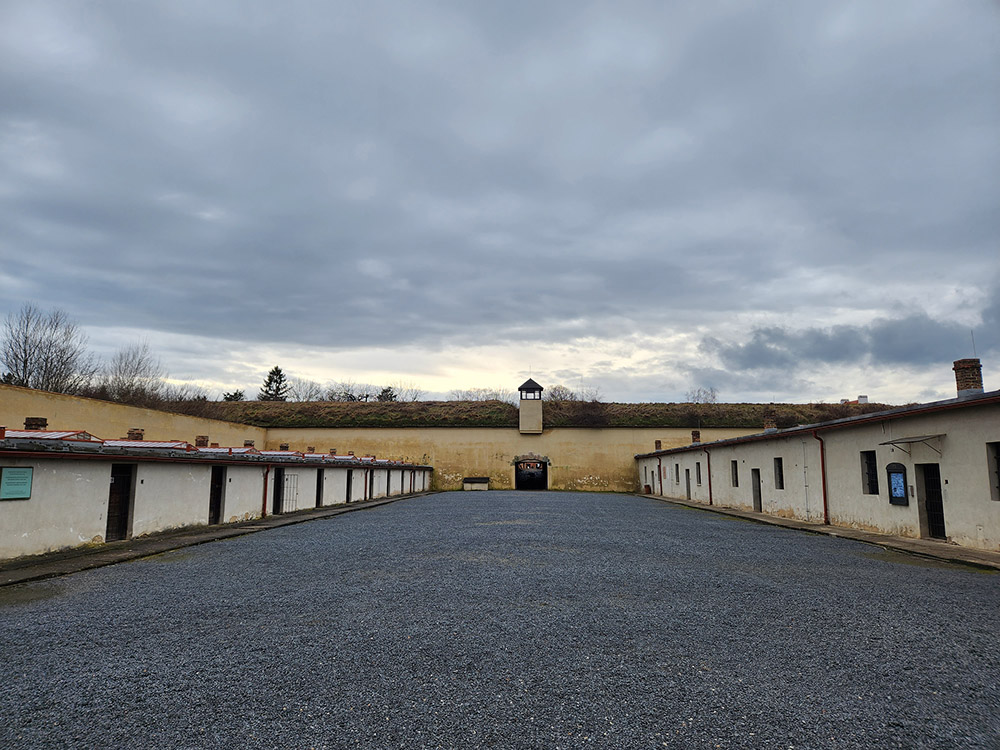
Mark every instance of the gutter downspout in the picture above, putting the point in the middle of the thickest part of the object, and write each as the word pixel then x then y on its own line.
pixel 822 469
pixel 263 500
pixel 708 460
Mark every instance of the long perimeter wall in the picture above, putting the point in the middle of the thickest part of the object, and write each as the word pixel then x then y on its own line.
pixel 580 458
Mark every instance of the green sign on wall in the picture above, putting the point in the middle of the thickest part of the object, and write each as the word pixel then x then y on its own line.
pixel 15 483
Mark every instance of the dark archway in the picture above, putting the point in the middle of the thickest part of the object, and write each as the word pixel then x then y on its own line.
pixel 531 474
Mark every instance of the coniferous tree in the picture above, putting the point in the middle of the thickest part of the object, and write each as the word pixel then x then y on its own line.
pixel 275 386
pixel 234 396
pixel 387 394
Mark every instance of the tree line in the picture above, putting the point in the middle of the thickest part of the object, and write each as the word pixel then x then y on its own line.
pixel 48 351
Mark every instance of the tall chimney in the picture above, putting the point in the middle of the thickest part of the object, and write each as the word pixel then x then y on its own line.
pixel 201 441
pixel 135 433
pixel 968 377
pixel 695 436
pixel 36 423
pixel 657 445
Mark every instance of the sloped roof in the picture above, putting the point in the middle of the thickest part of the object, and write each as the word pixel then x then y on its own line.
pixel 530 386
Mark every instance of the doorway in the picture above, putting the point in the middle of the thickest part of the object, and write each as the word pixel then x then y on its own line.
pixel 278 499
pixel 531 474
pixel 350 481
pixel 687 483
pixel 755 485
pixel 320 479
pixel 929 480
pixel 216 494
pixel 120 497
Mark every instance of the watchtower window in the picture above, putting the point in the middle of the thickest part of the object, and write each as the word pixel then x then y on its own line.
pixel 530 390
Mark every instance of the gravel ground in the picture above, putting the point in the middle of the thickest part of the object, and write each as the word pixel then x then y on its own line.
pixel 503 619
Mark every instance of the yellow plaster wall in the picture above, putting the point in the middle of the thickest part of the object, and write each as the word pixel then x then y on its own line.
pixel 110 421
pixel 581 458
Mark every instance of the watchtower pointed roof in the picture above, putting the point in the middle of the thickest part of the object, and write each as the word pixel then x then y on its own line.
pixel 530 386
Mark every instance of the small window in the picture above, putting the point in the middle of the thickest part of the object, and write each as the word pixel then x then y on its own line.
pixel 993 452
pixel 697 473
pixel 869 473
pixel 779 474
pixel 677 473
pixel 735 468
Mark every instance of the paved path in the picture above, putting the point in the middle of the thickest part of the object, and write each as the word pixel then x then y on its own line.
pixel 506 619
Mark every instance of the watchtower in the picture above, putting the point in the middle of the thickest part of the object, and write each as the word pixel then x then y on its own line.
pixel 531 407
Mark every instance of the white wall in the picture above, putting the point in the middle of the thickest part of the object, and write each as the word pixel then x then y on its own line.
pixel 69 499
pixel 170 495
pixel 68 507
pixel 244 486
pixel 972 515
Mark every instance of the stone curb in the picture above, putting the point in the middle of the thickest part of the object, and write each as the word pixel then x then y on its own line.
pixel 936 550
pixel 66 562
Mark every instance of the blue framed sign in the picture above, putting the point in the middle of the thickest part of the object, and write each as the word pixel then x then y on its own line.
pixel 897 484
pixel 15 483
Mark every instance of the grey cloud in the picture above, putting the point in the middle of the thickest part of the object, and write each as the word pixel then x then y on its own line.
pixel 570 168
pixel 915 339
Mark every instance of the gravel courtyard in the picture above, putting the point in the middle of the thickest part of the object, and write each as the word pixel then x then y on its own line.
pixel 503 619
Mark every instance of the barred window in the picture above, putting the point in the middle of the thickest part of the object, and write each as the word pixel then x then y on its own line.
pixel 869 473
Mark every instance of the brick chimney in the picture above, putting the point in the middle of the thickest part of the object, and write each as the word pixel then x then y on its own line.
pixel 201 441
pixel 248 443
pixel 333 451
pixel 657 445
pixel 311 449
pixel 135 433
pixel 36 423
pixel 216 445
pixel 968 377
pixel 695 436
pixel 283 447
pixel 770 424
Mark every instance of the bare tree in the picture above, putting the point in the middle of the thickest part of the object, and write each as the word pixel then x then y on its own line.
pixel 406 391
pixel 484 394
pixel 560 393
pixel 590 393
pixel 183 392
pixel 47 351
pixel 134 375
pixel 348 390
pixel 702 396
pixel 300 389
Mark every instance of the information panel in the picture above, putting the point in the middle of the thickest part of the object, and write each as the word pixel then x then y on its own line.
pixel 15 483
pixel 897 484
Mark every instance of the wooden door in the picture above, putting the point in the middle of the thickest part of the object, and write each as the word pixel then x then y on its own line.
pixel 119 501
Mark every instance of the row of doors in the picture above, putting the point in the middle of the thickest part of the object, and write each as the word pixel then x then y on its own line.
pixel 121 494
pixel 284 498
pixel 928 478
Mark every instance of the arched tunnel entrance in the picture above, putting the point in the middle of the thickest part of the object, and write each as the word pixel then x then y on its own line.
pixel 531 473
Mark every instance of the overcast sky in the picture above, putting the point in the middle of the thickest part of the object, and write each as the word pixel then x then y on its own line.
pixel 788 201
